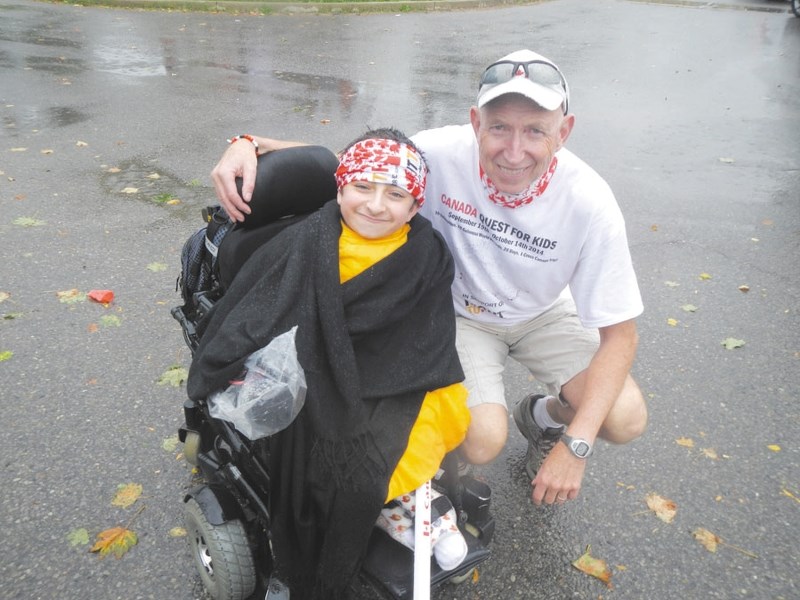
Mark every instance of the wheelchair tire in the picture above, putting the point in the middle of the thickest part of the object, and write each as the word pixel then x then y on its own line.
pixel 222 555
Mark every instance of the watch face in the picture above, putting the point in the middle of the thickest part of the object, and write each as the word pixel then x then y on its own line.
pixel 582 449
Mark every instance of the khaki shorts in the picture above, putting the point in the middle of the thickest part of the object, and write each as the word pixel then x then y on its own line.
pixel 554 347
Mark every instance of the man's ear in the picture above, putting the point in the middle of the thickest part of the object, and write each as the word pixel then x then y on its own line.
pixel 567 123
pixel 475 119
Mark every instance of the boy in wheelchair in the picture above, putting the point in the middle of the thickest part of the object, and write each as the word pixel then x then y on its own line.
pixel 367 284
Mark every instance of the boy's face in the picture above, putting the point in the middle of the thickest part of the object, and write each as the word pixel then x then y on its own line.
pixel 375 210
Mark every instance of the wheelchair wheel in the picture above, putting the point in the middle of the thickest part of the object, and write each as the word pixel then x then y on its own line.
pixel 191 447
pixel 796 7
pixel 221 554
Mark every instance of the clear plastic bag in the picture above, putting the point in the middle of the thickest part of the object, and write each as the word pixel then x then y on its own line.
pixel 271 394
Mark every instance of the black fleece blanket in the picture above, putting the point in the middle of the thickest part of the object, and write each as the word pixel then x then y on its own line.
pixel 370 348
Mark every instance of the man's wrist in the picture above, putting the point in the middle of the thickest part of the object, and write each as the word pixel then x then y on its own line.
pixel 579 447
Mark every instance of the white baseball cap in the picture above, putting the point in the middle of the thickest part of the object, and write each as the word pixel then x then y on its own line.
pixel 527 73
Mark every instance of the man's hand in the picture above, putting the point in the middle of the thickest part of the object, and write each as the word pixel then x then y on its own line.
pixel 559 478
pixel 238 160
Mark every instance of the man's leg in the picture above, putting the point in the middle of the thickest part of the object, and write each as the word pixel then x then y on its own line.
pixel 483 353
pixel 627 419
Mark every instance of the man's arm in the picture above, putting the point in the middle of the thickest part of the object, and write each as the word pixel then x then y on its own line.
pixel 240 160
pixel 594 396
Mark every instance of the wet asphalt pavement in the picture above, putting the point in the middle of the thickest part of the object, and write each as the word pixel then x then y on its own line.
pixel 690 111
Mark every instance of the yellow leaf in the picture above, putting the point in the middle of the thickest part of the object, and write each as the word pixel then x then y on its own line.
pixel 46 151
pixel 129 190
pixel 177 532
pixel 593 566
pixel 789 494
pixel 664 508
pixel 710 453
pixel 19 149
pixel 707 539
pixel 127 494
pixel 744 288
pixel 71 296
pixel 81 144
pixel 705 276
pixel 116 541
pixel 4 296
pixel 685 442
pixel 154 176
pixel 672 322
pixel 774 447
pixel 114 170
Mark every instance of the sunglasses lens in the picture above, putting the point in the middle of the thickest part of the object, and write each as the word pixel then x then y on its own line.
pixel 544 74
pixel 499 73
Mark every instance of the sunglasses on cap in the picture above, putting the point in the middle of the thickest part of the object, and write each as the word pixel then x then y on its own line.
pixel 538 71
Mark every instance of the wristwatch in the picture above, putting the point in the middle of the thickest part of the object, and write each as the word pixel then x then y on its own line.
pixel 579 447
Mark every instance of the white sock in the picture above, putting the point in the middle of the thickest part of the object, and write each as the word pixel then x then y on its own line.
pixel 542 416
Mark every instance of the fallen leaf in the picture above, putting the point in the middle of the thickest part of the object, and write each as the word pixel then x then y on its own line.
pixel 114 170
pixel 81 144
pixel 774 447
pixel 672 322
pixel 685 442
pixel 154 176
pixel 19 149
pixel 28 222
pixel 664 508
pixel 157 267
pixel 744 288
pixel 653 227
pixel 325 121
pixel 116 541
pixel 173 376
pixel 705 276
pixel 92 328
pixel 595 567
pixel 4 296
pixel 706 538
pixel 689 308
pixel 732 343
pixel 71 296
pixel 726 160
pixel 671 283
pixel 173 201
pixel 110 321
pixel 170 443
pixel 789 494
pixel 101 296
pixel 177 532
pixel 11 315
pixel 127 494
pixel 710 453
pixel 46 151
pixel 78 537
pixel 5 355
pixel 129 190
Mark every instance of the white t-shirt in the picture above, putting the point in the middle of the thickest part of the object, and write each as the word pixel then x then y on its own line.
pixel 512 264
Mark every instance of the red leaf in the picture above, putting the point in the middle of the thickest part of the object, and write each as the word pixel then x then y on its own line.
pixel 101 296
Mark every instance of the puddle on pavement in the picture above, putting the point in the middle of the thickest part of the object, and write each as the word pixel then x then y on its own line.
pixel 58 65
pixel 138 180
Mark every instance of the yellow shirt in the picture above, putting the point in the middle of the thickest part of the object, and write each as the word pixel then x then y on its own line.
pixel 443 417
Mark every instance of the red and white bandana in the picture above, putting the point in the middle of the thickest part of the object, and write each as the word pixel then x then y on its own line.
pixel 536 189
pixel 383 161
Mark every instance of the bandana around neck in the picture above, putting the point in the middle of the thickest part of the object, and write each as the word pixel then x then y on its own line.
pixel 535 190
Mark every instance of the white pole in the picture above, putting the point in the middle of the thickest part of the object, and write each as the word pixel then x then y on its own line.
pixel 422 543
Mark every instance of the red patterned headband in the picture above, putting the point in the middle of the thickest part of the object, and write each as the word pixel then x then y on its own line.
pixel 383 161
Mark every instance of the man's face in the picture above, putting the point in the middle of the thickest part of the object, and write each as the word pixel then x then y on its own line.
pixel 517 140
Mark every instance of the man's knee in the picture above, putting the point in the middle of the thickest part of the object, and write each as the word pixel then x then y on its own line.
pixel 487 434
pixel 628 419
